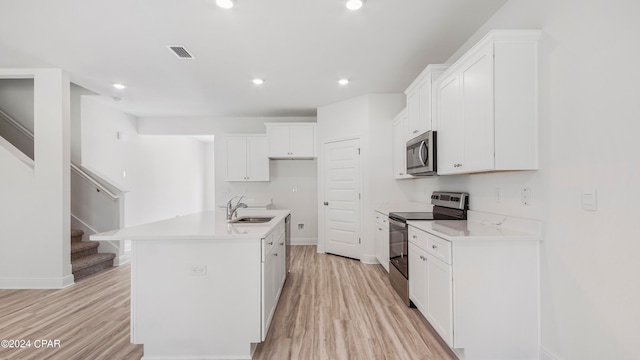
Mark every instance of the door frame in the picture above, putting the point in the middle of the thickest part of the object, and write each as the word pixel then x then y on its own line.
pixel 321 186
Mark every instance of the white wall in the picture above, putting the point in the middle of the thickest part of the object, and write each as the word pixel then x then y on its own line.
pixel 16 99
pixel 38 256
pixel 164 174
pixel 589 110
pixel 366 117
pixel 211 125
pixel 293 185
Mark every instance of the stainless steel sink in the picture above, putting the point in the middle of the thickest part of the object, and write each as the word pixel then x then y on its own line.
pixel 252 219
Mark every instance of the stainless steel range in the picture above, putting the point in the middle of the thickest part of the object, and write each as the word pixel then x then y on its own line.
pixel 447 206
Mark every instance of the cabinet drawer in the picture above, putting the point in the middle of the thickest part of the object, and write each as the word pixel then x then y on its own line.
pixel 439 248
pixel 418 238
pixel 381 220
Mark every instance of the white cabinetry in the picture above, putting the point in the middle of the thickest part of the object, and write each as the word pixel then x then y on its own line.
pixel 273 274
pixel 381 236
pixel 399 144
pixel 430 281
pixel 291 140
pixel 487 108
pixel 246 158
pixel 419 101
pixel 480 294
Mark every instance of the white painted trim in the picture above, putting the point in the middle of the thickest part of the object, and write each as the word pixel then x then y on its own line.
pixel 369 259
pixel 16 152
pixel 16 124
pixel 304 241
pixel 546 354
pixel 37 283
pixel 123 259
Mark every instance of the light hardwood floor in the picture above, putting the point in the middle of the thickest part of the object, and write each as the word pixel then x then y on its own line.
pixel 337 308
pixel 330 308
pixel 90 318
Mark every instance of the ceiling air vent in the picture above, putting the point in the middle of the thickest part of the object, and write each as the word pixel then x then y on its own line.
pixel 180 52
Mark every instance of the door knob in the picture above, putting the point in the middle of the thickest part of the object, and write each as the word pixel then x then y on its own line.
pixel 326 203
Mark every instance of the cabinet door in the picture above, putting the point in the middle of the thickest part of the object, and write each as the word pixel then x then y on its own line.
pixel 278 141
pixel 439 297
pixel 269 286
pixel 418 279
pixel 400 147
pixel 476 80
pixel 450 126
pixel 302 141
pixel 381 235
pixel 424 94
pixel 258 162
pixel 282 263
pixel 236 158
pixel 413 113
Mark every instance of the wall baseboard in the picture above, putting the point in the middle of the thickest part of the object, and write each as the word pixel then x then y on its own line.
pixel 304 241
pixel 546 354
pixel 369 259
pixel 36 283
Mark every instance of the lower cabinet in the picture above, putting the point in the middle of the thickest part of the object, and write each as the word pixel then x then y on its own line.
pixel 430 286
pixel 273 274
pixel 381 237
pixel 480 294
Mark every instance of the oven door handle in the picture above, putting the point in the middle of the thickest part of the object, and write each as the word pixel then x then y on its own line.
pixel 397 223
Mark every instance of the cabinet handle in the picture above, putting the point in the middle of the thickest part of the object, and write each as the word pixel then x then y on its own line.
pixel 282 243
pixel 415 237
pixel 380 229
pixel 275 254
pixel 415 131
pixel 271 243
pixel 434 247
pixel 384 220
pixel 401 174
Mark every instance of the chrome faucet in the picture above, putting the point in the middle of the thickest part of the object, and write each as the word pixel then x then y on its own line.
pixel 232 209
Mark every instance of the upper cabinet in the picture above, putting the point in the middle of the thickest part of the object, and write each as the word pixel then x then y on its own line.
pixel 246 158
pixel 291 140
pixel 487 107
pixel 400 146
pixel 419 101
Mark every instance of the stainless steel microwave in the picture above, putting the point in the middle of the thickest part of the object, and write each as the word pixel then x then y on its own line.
pixel 421 154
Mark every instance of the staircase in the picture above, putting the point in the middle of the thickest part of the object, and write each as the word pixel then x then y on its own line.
pixel 85 258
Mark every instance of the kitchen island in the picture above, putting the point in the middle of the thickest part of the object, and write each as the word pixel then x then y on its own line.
pixel 203 288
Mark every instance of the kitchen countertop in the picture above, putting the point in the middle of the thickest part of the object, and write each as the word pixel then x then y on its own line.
pixel 482 226
pixel 208 225
pixel 406 206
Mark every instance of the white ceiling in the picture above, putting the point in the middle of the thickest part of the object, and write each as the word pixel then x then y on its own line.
pixel 299 47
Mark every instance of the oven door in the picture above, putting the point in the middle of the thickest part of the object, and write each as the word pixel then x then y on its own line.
pixel 398 246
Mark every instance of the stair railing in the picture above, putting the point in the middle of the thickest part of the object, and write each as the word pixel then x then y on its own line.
pixel 16 124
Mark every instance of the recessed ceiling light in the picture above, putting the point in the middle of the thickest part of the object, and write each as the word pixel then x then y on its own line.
pixel 343 82
pixel 120 86
pixel 354 4
pixel 257 81
pixel 226 4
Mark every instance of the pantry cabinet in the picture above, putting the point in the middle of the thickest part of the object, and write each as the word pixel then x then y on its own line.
pixel 399 144
pixel 419 101
pixel 291 140
pixel 487 108
pixel 246 158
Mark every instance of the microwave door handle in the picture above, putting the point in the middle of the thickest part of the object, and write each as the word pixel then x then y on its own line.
pixel 422 161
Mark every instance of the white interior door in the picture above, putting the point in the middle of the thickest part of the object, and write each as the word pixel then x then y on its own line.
pixel 342 198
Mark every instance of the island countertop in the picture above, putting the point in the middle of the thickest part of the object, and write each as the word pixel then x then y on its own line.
pixel 205 225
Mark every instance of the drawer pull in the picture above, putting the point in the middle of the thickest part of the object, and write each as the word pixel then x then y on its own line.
pixel 271 243
pixel 380 229
pixel 275 254
pixel 434 247
pixel 282 243
pixel 415 237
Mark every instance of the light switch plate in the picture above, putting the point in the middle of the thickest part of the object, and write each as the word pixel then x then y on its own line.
pixel 589 200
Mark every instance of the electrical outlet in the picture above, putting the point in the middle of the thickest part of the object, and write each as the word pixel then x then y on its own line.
pixel 198 270
pixel 526 196
pixel 589 200
pixel 300 226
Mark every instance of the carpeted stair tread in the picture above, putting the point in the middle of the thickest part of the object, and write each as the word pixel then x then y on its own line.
pixel 80 246
pixel 88 261
pixel 76 235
